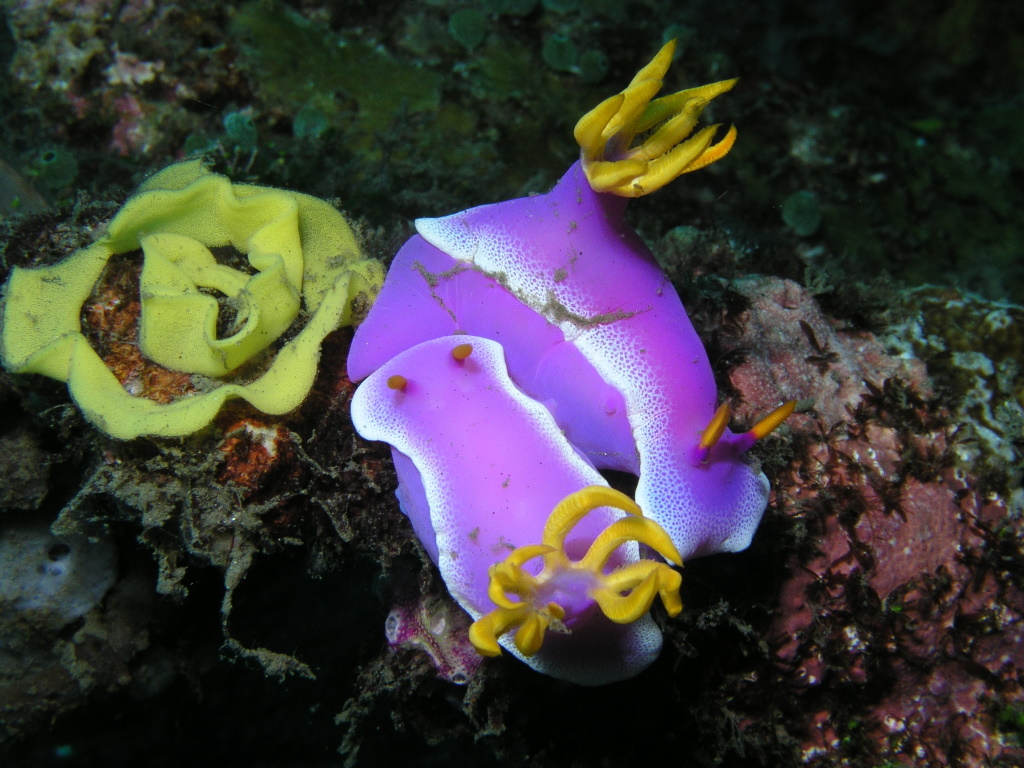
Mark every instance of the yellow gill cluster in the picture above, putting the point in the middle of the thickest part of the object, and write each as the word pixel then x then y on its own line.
pixel 623 595
pixel 606 133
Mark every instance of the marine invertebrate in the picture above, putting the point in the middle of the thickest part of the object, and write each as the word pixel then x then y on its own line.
pixel 474 500
pixel 301 252
pixel 251 451
pixel 438 628
pixel 590 325
pixel 599 365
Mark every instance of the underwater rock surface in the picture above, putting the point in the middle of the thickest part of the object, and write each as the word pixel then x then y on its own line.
pixel 899 595
pixel 56 578
pixel 875 621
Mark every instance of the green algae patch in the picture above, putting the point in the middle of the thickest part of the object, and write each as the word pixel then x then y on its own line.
pixel 301 254
pixel 295 63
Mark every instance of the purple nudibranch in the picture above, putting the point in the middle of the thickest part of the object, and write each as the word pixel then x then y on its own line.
pixel 580 358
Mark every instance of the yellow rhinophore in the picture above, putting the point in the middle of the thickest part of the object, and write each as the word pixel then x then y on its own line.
pixel 623 595
pixel 302 253
pixel 605 134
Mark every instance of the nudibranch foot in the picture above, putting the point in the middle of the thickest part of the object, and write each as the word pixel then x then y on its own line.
pixel 606 133
pixel 565 589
